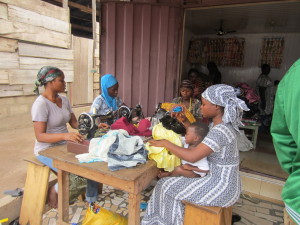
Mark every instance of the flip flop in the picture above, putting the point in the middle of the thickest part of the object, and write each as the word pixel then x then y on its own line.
pixel 235 218
pixel 14 193
pixel 250 198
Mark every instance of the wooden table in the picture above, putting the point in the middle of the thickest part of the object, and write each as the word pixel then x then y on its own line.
pixel 132 180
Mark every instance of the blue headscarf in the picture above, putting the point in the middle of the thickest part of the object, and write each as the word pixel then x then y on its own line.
pixel 108 81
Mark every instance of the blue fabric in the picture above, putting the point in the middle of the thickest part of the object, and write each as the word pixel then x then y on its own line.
pixel 108 81
pixel 47 161
pixel 177 109
pixel 91 191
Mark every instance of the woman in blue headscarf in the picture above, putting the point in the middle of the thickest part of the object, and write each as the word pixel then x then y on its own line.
pixel 108 100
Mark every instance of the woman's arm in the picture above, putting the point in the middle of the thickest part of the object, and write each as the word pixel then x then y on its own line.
pixel 190 155
pixel 73 121
pixel 42 136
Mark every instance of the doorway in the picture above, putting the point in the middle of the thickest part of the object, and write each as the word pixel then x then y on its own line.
pixel 251 23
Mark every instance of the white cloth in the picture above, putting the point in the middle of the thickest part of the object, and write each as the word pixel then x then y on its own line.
pixel 243 143
pixel 202 164
pixel 99 147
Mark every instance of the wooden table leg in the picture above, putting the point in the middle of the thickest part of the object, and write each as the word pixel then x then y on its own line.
pixel 134 209
pixel 63 197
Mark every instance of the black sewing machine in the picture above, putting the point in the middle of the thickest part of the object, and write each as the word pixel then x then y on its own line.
pixel 88 124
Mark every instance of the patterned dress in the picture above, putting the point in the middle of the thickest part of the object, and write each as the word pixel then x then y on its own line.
pixel 221 187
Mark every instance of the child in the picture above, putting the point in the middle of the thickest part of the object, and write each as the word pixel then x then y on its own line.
pixel 221 186
pixel 187 99
pixel 194 135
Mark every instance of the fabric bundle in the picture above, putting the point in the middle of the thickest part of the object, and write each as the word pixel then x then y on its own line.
pixel 164 159
pixel 141 130
pixel 117 148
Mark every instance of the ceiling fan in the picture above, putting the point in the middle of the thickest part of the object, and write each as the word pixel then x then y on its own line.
pixel 221 32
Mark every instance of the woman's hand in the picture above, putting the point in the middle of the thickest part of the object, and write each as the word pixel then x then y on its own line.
pixel 158 143
pixel 103 125
pixel 74 137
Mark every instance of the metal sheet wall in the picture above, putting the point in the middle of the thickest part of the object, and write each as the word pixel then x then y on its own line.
pixel 140 45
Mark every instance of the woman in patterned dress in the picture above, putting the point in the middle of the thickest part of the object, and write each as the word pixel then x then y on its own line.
pixel 221 187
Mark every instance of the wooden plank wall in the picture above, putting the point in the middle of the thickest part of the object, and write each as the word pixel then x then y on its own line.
pixel 33 34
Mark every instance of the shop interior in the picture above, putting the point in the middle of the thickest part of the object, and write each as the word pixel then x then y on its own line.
pixel 239 39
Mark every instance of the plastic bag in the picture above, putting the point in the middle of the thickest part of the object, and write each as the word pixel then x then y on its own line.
pixel 100 216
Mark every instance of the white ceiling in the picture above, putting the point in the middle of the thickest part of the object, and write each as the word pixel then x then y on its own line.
pixel 282 17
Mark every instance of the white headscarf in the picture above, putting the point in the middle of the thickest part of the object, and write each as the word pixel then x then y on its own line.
pixel 225 96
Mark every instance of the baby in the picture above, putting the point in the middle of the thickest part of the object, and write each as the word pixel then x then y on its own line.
pixel 194 135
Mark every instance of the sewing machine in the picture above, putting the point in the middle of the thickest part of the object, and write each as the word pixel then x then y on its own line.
pixel 88 123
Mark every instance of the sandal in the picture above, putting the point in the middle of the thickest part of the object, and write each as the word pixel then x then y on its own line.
pixel 250 198
pixel 14 193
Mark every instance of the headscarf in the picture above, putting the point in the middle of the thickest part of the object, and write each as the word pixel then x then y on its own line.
pixel 45 75
pixel 225 96
pixel 186 84
pixel 108 81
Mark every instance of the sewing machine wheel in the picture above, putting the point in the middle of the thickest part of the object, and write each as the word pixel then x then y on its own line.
pixel 123 111
pixel 85 123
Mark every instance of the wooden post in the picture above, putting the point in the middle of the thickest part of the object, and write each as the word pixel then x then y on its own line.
pixel 94 30
pixel 65 3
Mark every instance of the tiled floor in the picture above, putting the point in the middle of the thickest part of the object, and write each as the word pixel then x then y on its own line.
pixel 262 213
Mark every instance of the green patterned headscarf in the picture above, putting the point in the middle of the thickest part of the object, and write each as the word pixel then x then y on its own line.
pixel 45 75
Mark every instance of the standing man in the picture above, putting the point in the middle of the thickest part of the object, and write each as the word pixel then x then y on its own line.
pixel 285 130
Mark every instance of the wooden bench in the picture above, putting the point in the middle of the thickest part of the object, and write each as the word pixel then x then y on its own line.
pixel 206 215
pixel 35 192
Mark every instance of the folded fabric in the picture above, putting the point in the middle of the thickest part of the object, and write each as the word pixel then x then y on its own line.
pixel 141 130
pixel 164 159
pixel 99 147
pixel 126 151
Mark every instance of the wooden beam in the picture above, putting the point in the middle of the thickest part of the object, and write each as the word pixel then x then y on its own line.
pixel 94 29
pixel 65 3
pixel 78 27
pixel 78 6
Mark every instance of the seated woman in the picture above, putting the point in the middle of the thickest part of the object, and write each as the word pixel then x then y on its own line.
pixel 221 186
pixel 50 114
pixel 200 81
pixel 187 99
pixel 106 102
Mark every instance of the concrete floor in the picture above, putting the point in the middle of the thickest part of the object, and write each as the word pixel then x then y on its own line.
pixel 259 213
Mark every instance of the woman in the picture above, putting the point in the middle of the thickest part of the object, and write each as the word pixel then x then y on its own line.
pixel 187 99
pixel 107 102
pixel 200 82
pixel 221 186
pixel 214 73
pixel 50 114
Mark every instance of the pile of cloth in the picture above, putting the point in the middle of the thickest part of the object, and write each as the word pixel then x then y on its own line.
pixel 117 148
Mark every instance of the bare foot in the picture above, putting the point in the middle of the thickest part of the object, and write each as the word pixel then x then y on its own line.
pixel 52 198
pixel 163 174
